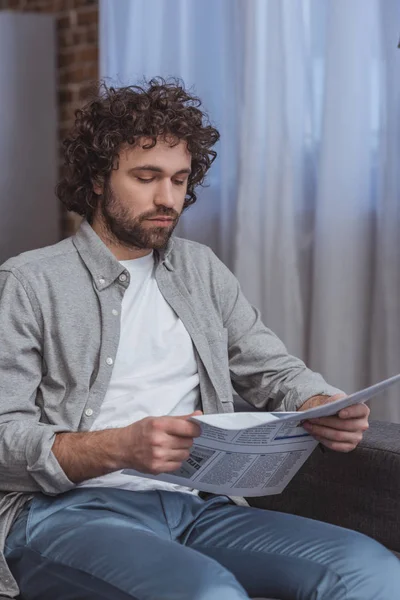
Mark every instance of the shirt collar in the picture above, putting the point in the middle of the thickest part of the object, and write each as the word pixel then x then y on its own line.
pixel 100 261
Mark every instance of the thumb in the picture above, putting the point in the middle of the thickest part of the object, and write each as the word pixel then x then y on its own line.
pixel 196 413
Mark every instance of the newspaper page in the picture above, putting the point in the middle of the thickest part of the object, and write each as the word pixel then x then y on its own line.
pixel 254 454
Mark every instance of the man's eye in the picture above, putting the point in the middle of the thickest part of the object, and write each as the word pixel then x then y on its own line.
pixel 142 180
pixel 178 182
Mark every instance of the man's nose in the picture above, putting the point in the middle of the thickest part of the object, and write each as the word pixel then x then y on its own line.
pixel 165 196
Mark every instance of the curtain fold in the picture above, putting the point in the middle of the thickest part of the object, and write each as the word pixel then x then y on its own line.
pixel 269 168
pixel 303 202
pixel 345 211
pixel 385 340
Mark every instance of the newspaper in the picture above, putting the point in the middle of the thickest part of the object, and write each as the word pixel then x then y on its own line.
pixel 254 454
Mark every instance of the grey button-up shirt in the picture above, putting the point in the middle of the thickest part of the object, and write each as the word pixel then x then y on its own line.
pixel 60 312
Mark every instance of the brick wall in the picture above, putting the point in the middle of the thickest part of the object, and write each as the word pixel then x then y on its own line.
pixel 77 52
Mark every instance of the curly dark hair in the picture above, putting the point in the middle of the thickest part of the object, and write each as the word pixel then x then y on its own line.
pixel 118 116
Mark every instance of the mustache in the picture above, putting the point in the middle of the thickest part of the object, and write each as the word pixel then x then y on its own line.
pixel 164 212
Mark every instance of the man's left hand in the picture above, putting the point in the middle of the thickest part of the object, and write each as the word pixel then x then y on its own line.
pixel 342 432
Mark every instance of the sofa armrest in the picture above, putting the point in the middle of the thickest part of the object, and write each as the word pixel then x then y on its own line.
pixel 359 490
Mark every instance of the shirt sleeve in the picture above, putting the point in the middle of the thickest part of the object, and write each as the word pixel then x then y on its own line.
pixel 262 371
pixel 27 463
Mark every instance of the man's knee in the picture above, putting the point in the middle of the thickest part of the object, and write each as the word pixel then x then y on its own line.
pixel 367 568
pixel 219 592
pixel 216 583
pixel 370 554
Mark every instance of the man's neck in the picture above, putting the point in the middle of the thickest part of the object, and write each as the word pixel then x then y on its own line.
pixel 120 251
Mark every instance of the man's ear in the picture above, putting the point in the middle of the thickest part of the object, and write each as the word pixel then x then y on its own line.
pixel 98 186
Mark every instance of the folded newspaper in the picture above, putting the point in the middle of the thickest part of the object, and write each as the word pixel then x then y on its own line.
pixel 254 454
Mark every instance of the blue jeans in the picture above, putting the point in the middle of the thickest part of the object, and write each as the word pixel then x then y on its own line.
pixel 97 543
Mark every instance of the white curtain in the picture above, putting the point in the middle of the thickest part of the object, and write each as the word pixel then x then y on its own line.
pixel 200 42
pixel 303 202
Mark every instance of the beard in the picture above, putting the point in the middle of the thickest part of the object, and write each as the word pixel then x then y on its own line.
pixel 131 232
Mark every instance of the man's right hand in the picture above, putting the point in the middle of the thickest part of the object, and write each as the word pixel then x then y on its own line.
pixel 152 445
pixel 159 444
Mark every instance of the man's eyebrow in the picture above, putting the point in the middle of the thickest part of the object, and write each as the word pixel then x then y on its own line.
pixel 158 169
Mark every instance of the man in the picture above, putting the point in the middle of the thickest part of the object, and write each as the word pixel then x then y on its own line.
pixel 111 339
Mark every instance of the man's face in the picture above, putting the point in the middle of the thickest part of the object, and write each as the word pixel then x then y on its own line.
pixel 143 199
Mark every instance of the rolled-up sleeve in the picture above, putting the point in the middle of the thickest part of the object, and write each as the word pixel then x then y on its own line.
pixel 262 371
pixel 27 463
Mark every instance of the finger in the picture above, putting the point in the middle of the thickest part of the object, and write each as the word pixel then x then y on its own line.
pixel 162 456
pixel 337 446
pixel 180 426
pixel 334 435
pixel 341 424
pixel 355 411
pixel 177 455
pixel 174 442
pixel 170 467
pixel 196 413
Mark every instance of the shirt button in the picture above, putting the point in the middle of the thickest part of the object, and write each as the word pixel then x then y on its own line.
pixel 88 412
pixel 102 280
pixel 114 312
pixel 122 277
pixel 109 361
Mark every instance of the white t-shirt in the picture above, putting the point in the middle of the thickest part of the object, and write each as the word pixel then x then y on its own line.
pixel 155 370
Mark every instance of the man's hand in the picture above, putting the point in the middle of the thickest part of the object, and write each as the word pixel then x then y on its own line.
pixel 341 432
pixel 159 444
pixel 152 445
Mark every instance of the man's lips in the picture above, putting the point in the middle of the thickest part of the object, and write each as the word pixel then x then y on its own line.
pixel 164 220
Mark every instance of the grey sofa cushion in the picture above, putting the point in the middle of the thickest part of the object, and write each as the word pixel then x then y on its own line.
pixel 359 490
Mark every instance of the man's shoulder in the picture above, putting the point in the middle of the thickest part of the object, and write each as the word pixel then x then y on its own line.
pixel 35 261
pixel 188 251
pixel 190 246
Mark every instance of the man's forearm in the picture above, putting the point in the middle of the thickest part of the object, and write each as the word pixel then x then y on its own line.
pixel 89 454
pixel 313 402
